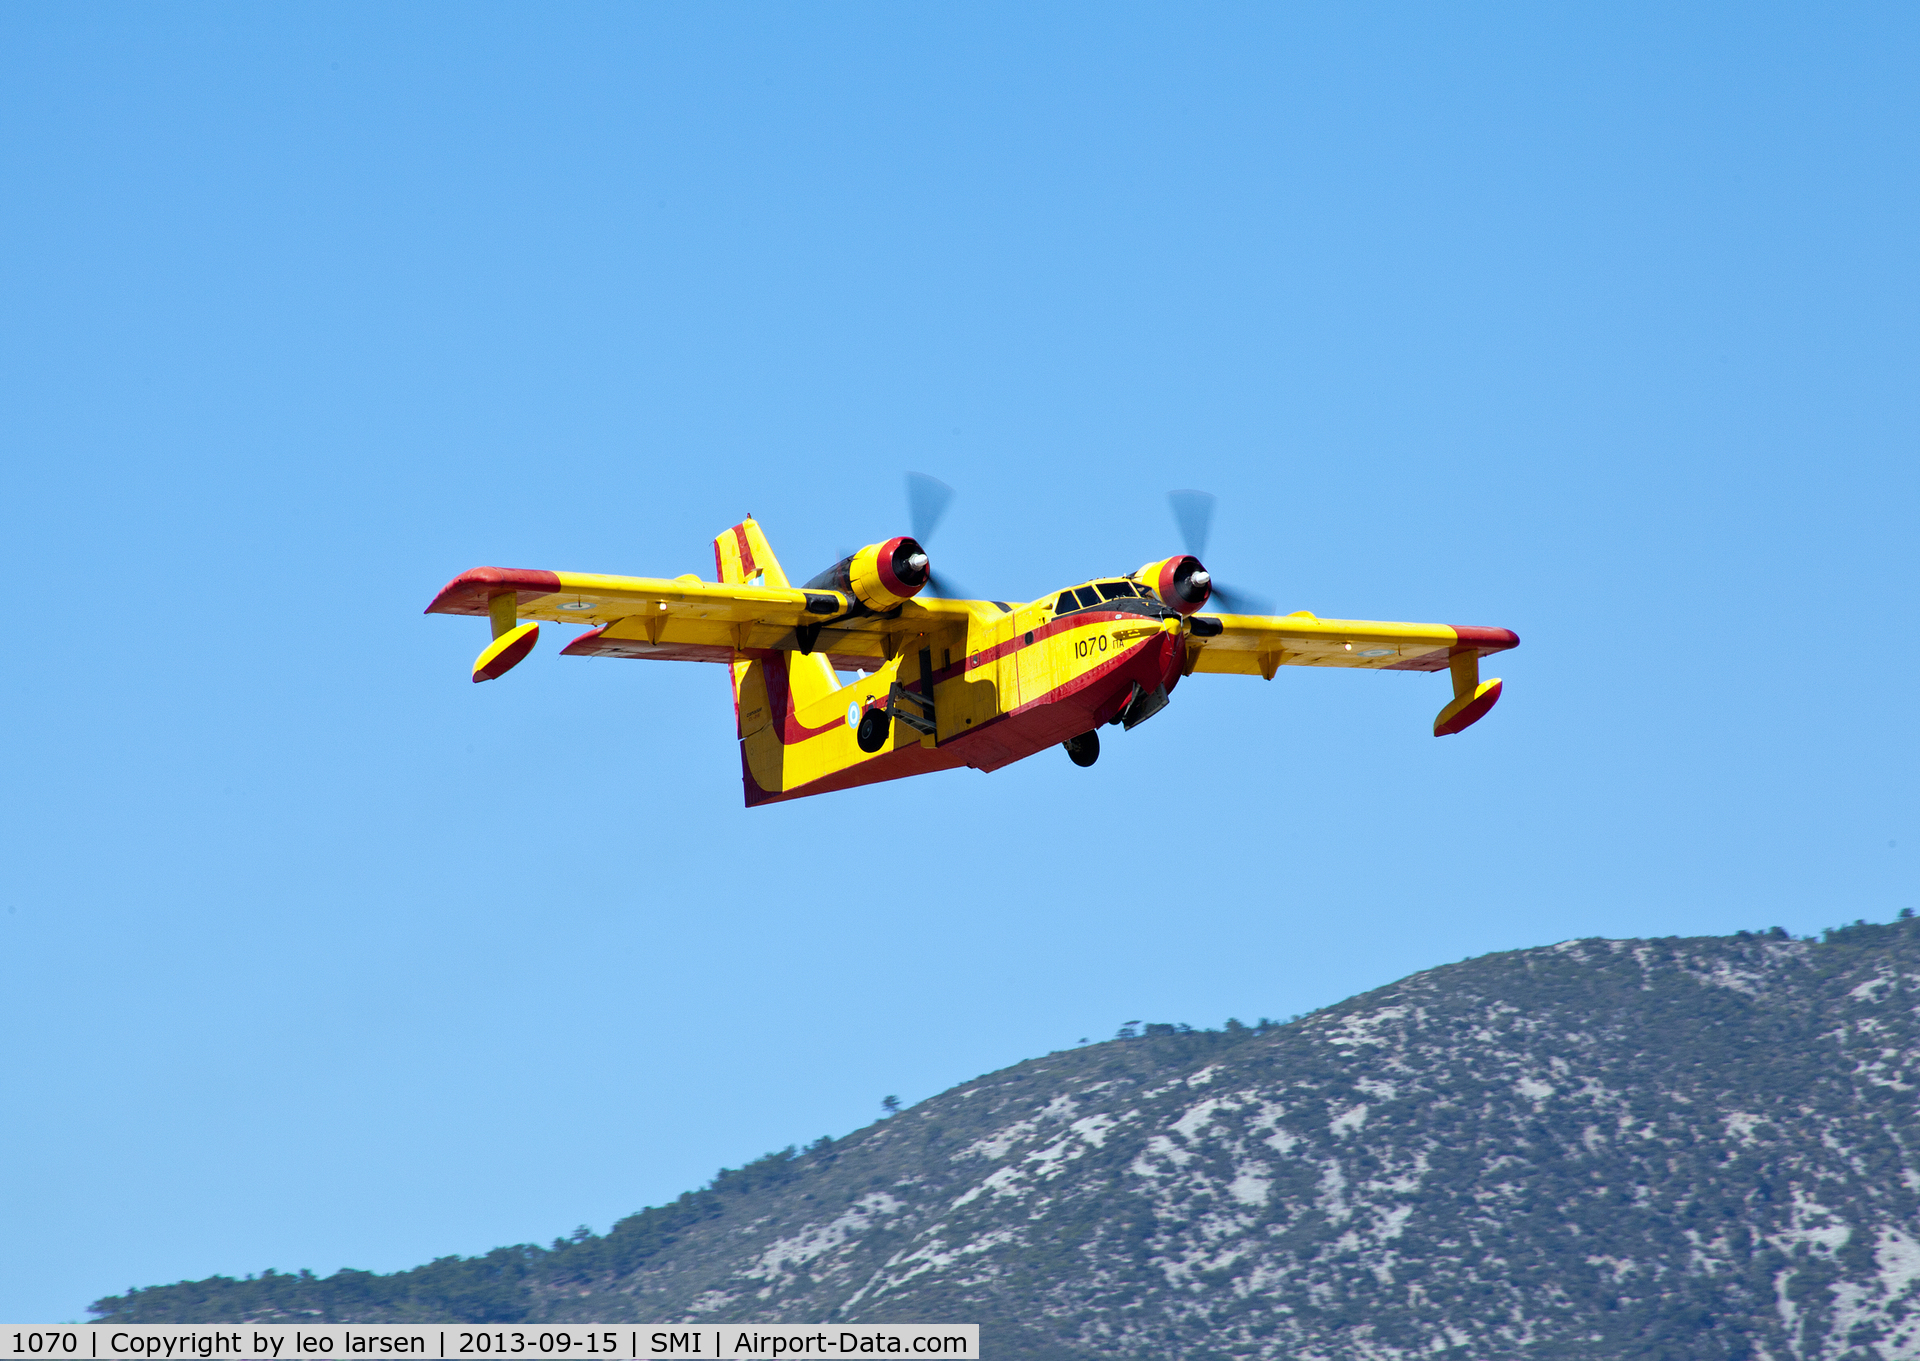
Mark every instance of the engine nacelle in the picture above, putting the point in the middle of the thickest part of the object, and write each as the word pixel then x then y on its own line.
pixel 880 576
pixel 1181 583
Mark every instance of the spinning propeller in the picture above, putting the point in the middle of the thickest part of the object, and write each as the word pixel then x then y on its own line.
pixel 927 500
pixel 1193 512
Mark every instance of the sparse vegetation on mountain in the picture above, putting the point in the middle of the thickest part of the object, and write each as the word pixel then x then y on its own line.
pixel 1659 1149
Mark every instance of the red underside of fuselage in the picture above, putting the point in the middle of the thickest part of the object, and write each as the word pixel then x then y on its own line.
pixel 1081 705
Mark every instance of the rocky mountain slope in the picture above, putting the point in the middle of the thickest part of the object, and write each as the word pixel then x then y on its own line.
pixel 1601 1149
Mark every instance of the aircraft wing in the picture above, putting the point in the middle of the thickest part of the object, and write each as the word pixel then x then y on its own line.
pixel 1258 645
pixel 686 619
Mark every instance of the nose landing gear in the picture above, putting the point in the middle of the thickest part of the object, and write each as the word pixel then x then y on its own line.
pixel 1083 750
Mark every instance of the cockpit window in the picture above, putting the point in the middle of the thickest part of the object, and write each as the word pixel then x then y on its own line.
pixel 1095 593
pixel 1129 601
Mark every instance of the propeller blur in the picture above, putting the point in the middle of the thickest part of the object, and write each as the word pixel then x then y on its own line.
pixel 1193 513
pixel 927 501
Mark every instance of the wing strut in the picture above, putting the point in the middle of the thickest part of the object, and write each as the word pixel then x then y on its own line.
pixel 925 722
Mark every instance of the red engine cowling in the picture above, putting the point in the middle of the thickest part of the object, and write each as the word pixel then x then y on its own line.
pixel 881 575
pixel 1182 583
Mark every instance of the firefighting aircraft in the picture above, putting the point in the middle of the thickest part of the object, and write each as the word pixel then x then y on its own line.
pixel 944 682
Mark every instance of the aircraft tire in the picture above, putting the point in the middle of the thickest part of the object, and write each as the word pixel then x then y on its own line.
pixel 872 732
pixel 1083 750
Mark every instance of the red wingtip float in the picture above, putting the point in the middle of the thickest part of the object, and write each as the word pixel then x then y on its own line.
pixel 1472 697
pixel 1467 710
pixel 942 682
pixel 505 652
pixel 500 596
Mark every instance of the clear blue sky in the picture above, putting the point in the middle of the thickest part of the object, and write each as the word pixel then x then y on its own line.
pixel 1599 324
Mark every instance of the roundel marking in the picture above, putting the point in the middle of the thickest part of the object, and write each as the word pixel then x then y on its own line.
pixel 853 714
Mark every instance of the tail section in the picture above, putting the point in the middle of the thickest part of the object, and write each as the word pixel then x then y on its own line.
pixel 768 686
pixel 743 557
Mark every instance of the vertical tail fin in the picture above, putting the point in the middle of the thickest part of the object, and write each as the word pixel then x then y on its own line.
pixel 742 556
pixel 767 685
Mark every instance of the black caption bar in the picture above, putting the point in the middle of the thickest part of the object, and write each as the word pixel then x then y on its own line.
pixel 473 1342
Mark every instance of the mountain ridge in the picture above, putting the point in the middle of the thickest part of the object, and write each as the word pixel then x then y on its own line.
pixel 1683 1147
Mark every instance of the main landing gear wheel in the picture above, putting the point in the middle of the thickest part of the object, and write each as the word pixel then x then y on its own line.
pixel 872 732
pixel 1083 750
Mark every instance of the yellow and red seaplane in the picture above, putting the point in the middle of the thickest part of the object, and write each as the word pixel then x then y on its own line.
pixel 942 682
